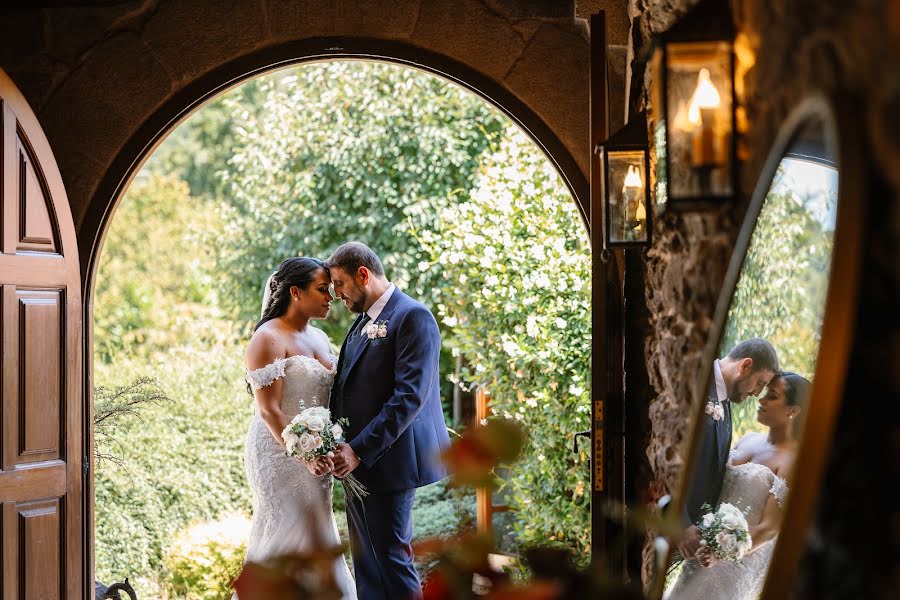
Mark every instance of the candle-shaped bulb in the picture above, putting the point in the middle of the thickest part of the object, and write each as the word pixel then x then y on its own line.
pixel 705 96
pixel 632 179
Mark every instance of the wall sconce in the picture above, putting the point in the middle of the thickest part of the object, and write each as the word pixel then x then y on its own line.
pixel 626 185
pixel 693 120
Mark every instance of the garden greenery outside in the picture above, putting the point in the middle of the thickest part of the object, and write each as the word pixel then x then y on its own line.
pixel 781 292
pixel 468 215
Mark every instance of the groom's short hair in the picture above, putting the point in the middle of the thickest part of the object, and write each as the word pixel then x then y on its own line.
pixel 758 349
pixel 351 256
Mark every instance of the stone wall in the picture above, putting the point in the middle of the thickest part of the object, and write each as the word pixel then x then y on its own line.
pixel 796 47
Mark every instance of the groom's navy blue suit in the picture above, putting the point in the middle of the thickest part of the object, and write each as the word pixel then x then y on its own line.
pixel 712 457
pixel 389 389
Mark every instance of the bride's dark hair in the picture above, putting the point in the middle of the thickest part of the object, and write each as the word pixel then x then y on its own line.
pixel 292 272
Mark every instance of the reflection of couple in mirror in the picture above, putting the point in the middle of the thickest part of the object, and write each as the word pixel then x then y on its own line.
pixel 752 476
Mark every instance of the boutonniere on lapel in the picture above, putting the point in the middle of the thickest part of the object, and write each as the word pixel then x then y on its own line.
pixel 376 329
pixel 714 409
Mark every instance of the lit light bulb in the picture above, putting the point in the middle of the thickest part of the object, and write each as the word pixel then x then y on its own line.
pixel 633 178
pixel 705 96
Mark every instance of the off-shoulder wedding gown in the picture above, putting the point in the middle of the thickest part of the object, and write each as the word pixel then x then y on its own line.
pixel 291 506
pixel 747 486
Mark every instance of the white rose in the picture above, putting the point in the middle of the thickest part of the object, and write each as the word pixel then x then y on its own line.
pixel 382 330
pixel 732 522
pixel 719 413
pixel 727 543
pixel 709 408
pixel 290 442
pixel 337 431
pixel 307 442
pixel 316 423
pixel 317 442
pixel 708 519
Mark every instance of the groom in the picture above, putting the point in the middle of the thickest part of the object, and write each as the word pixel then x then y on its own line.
pixel 387 385
pixel 748 368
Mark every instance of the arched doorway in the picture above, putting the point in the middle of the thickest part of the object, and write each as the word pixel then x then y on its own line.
pixel 169 125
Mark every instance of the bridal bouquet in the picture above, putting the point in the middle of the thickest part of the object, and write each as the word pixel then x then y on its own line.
pixel 725 532
pixel 312 434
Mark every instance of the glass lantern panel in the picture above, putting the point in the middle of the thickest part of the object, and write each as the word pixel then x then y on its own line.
pixel 657 124
pixel 627 197
pixel 699 120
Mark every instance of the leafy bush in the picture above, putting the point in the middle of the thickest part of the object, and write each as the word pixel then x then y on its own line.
pixel 205 558
pixel 515 290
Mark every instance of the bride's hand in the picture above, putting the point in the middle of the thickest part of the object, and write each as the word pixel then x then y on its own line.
pixel 705 557
pixel 320 466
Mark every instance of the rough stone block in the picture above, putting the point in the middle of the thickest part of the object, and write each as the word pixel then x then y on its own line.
pixel 191 36
pixel 534 9
pixel 471 33
pixel 298 19
pixel 377 19
pixel 101 103
pixel 560 95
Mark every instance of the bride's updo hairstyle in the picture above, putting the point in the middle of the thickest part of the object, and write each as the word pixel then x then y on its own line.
pixel 796 392
pixel 292 272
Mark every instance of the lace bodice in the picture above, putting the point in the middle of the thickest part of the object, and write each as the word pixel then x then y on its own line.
pixel 305 378
pixel 289 502
pixel 747 486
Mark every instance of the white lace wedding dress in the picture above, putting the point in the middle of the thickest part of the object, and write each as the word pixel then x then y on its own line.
pixel 746 486
pixel 291 506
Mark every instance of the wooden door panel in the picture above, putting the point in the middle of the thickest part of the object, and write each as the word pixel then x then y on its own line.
pixel 40 383
pixel 42 411
pixel 34 210
pixel 40 548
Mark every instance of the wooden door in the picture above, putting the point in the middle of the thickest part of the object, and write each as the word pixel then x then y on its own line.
pixel 41 401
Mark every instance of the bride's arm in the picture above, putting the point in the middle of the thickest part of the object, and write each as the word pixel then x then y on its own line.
pixel 768 526
pixel 263 351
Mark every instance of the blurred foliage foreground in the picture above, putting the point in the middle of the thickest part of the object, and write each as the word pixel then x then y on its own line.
pixel 462 570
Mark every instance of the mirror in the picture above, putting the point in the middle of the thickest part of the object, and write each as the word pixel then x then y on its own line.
pixel 758 385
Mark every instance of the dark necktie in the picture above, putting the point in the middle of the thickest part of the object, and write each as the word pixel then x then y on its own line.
pixel 355 339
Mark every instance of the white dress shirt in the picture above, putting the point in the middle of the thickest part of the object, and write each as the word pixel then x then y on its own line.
pixel 375 310
pixel 721 390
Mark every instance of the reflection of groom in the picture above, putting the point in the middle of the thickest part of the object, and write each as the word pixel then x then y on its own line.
pixel 387 385
pixel 746 370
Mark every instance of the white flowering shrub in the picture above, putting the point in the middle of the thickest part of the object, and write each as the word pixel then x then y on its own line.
pixel 205 558
pixel 515 293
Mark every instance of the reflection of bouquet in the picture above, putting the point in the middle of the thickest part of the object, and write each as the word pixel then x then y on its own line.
pixel 312 434
pixel 725 532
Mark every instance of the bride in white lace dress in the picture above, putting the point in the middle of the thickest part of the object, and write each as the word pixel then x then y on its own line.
pixel 288 360
pixel 756 483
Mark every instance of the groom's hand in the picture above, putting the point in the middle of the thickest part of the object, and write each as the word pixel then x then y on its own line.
pixel 345 460
pixel 690 542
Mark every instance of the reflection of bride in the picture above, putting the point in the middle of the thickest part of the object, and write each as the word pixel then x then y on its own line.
pixel 755 482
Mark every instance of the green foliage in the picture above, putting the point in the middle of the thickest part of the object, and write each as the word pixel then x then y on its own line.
pixel 115 409
pixel 344 151
pixel 780 295
pixel 182 462
pixel 155 272
pixel 515 290
pixel 204 559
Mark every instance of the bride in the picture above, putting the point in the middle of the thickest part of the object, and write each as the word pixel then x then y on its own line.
pixel 756 483
pixel 289 360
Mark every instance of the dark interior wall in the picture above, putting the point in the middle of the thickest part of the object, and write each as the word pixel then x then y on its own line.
pixel 96 74
pixel 793 48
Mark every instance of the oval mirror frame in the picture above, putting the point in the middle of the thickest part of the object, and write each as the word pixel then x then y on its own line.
pixel 837 331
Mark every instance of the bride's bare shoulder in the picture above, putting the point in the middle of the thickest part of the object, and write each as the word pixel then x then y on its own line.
pixel 266 345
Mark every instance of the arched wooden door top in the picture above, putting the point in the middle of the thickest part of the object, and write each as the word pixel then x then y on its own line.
pixel 42 456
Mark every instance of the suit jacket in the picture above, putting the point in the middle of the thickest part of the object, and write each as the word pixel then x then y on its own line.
pixel 710 462
pixel 389 390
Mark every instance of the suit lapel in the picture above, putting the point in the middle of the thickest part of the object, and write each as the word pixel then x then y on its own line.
pixel 386 313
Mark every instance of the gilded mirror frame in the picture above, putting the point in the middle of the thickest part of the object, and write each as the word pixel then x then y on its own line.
pixel 837 331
